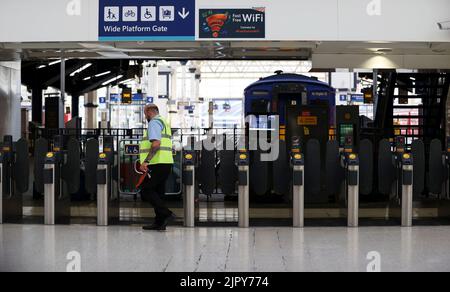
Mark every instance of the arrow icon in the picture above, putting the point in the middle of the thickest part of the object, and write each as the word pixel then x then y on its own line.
pixel 184 14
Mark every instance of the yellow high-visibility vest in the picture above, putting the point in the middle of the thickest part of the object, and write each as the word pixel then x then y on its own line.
pixel 164 154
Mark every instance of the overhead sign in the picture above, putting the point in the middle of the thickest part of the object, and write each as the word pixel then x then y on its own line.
pixel 357 98
pixel 141 20
pixel 232 23
pixel 136 97
pixel 114 97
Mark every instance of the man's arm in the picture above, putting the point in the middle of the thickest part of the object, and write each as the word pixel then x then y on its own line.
pixel 156 145
pixel 155 136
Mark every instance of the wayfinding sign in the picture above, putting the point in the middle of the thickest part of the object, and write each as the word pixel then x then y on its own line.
pixel 141 20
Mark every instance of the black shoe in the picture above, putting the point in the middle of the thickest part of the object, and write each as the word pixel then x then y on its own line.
pixel 166 221
pixel 154 227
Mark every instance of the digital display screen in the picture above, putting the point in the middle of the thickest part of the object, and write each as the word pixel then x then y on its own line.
pixel 346 130
pixel 127 96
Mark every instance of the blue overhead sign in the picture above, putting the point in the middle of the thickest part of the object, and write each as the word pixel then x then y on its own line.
pixel 357 98
pixel 141 20
pixel 114 97
pixel 137 97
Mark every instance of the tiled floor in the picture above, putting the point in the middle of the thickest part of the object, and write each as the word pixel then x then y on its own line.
pixel 128 248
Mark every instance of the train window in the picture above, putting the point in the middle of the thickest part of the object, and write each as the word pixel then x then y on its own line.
pixel 319 102
pixel 262 122
pixel 260 93
pixel 260 106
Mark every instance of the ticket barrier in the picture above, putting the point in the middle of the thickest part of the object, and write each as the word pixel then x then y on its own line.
pixel 189 188
pixel 14 179
pixel 243 162
pixel 61 177
pixel 397 169
pixel 108 201
pixel 447 169
pixel 349 161
pixel 438 183
pixel 298 189
pixel 404 182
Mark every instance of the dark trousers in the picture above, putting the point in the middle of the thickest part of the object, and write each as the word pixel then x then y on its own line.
pixel 154 189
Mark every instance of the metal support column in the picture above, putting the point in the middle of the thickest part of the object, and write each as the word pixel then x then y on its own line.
pixel 63 91
pixel 375 91
pixel 36 104
pixel 75 105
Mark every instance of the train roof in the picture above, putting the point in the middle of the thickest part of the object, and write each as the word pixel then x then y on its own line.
pixel 287 78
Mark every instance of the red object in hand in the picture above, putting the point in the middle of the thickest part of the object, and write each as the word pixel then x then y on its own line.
pixel 141 180
pixel 137 169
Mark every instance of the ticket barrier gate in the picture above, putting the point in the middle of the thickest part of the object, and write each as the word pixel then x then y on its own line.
pixel 407 189
pixel 243 162
pixel 397 170
pixel 61 178
pixel 350 162
pixel 298 189
pixel 108 201
pixel 14 179
pixel 189 188
pixel 404 181
pixel 399 146
pixel 438 183
pixel 447 167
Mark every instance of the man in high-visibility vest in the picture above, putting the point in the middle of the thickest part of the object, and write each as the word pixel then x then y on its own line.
pixel 156 159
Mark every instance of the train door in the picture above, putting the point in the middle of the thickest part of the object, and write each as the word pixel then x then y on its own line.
pixel 306 122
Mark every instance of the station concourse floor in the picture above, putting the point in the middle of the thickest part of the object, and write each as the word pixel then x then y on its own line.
pixel 129 248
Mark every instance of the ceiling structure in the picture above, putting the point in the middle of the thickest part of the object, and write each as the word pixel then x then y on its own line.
pixel 261 50
pixel 82 75
pixel 310 56
pixel 107 57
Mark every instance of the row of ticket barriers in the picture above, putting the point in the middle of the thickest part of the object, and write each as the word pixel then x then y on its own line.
pixel 57 174
pixel 57 167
